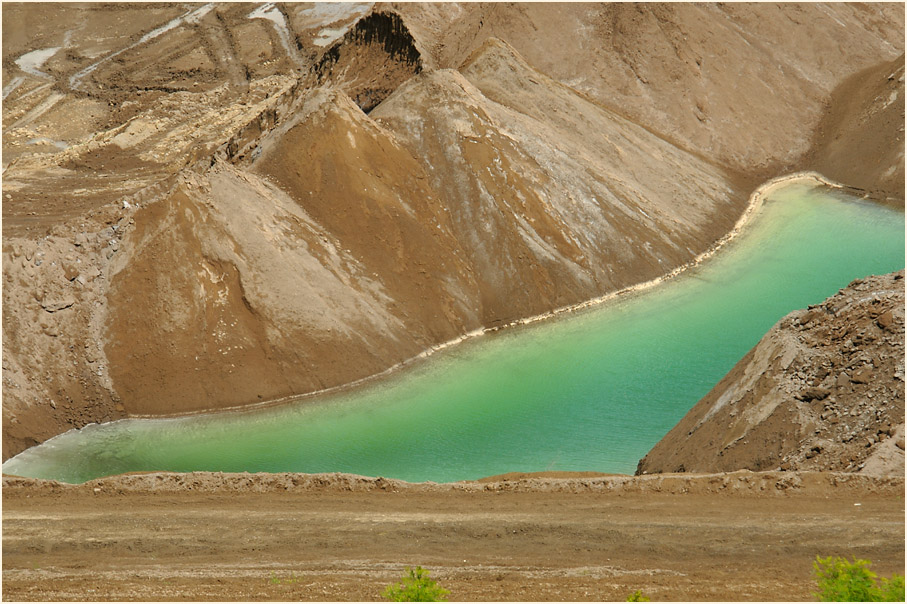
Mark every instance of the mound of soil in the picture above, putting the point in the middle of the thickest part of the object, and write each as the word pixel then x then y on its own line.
pixel 823 390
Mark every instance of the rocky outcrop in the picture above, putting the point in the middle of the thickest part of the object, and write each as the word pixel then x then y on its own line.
pixel 371 60
pixel 823 390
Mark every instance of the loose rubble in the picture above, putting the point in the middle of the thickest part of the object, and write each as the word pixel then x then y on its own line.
pixel 823 390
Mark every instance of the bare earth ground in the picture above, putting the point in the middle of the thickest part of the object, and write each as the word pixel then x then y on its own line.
pixel 141 168
pixel 199 214
pixel 739 536
pixel 823 390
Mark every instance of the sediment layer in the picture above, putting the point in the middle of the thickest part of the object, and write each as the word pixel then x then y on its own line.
pixel 742 483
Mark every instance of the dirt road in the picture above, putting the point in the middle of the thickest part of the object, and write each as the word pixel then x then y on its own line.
pixel 741 536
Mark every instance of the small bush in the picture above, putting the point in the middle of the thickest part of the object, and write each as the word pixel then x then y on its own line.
pixel 892 590
pixel 275 580
pixel 637 596
pixel 842 581
pixel 416 586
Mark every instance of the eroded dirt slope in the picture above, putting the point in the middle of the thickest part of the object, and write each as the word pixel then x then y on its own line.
pixel 743 84
pixel 212 205
pixel 861 138
pixel 823 390
pixel 373 237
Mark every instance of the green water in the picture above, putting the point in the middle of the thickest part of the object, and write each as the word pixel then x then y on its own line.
pixel 590 391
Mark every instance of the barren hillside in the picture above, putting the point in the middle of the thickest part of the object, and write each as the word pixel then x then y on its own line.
pixel 742 84
pixel 215 205
pixel 822 391
pixel 866 120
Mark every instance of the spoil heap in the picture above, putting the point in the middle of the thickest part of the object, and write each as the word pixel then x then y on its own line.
pixel 823 390
pixel 218 205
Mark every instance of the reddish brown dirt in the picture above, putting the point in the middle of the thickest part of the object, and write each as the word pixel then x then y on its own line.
pixel 329 537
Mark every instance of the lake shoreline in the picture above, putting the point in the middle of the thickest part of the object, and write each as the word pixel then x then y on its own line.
pixel 754 202
pixel 532 382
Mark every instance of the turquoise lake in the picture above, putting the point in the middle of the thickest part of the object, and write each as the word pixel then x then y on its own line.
pixel 592 390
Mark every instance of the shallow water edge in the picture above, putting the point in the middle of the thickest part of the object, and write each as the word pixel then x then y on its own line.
pixel 754 202
pixel 590 392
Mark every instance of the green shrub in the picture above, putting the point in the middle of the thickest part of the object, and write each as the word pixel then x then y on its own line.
pixel 637 596
pixel 275 580
pixel 892 590
pixel 416 586
pixel 842 581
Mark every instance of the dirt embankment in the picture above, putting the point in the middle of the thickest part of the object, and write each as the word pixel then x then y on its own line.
pixel 741 84
pixel 740 536
pixel 860 140
pixel 198 214
pixel 823 390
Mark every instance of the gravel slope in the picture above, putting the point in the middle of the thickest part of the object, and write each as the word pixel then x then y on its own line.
pixel 823 390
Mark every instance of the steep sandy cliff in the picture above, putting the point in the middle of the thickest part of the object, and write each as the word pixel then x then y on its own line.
pixel 823 390
pixel 214 205
pixel 352 242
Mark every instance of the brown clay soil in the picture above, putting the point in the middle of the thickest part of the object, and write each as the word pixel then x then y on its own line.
pixel 865 120
pixel 739 536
